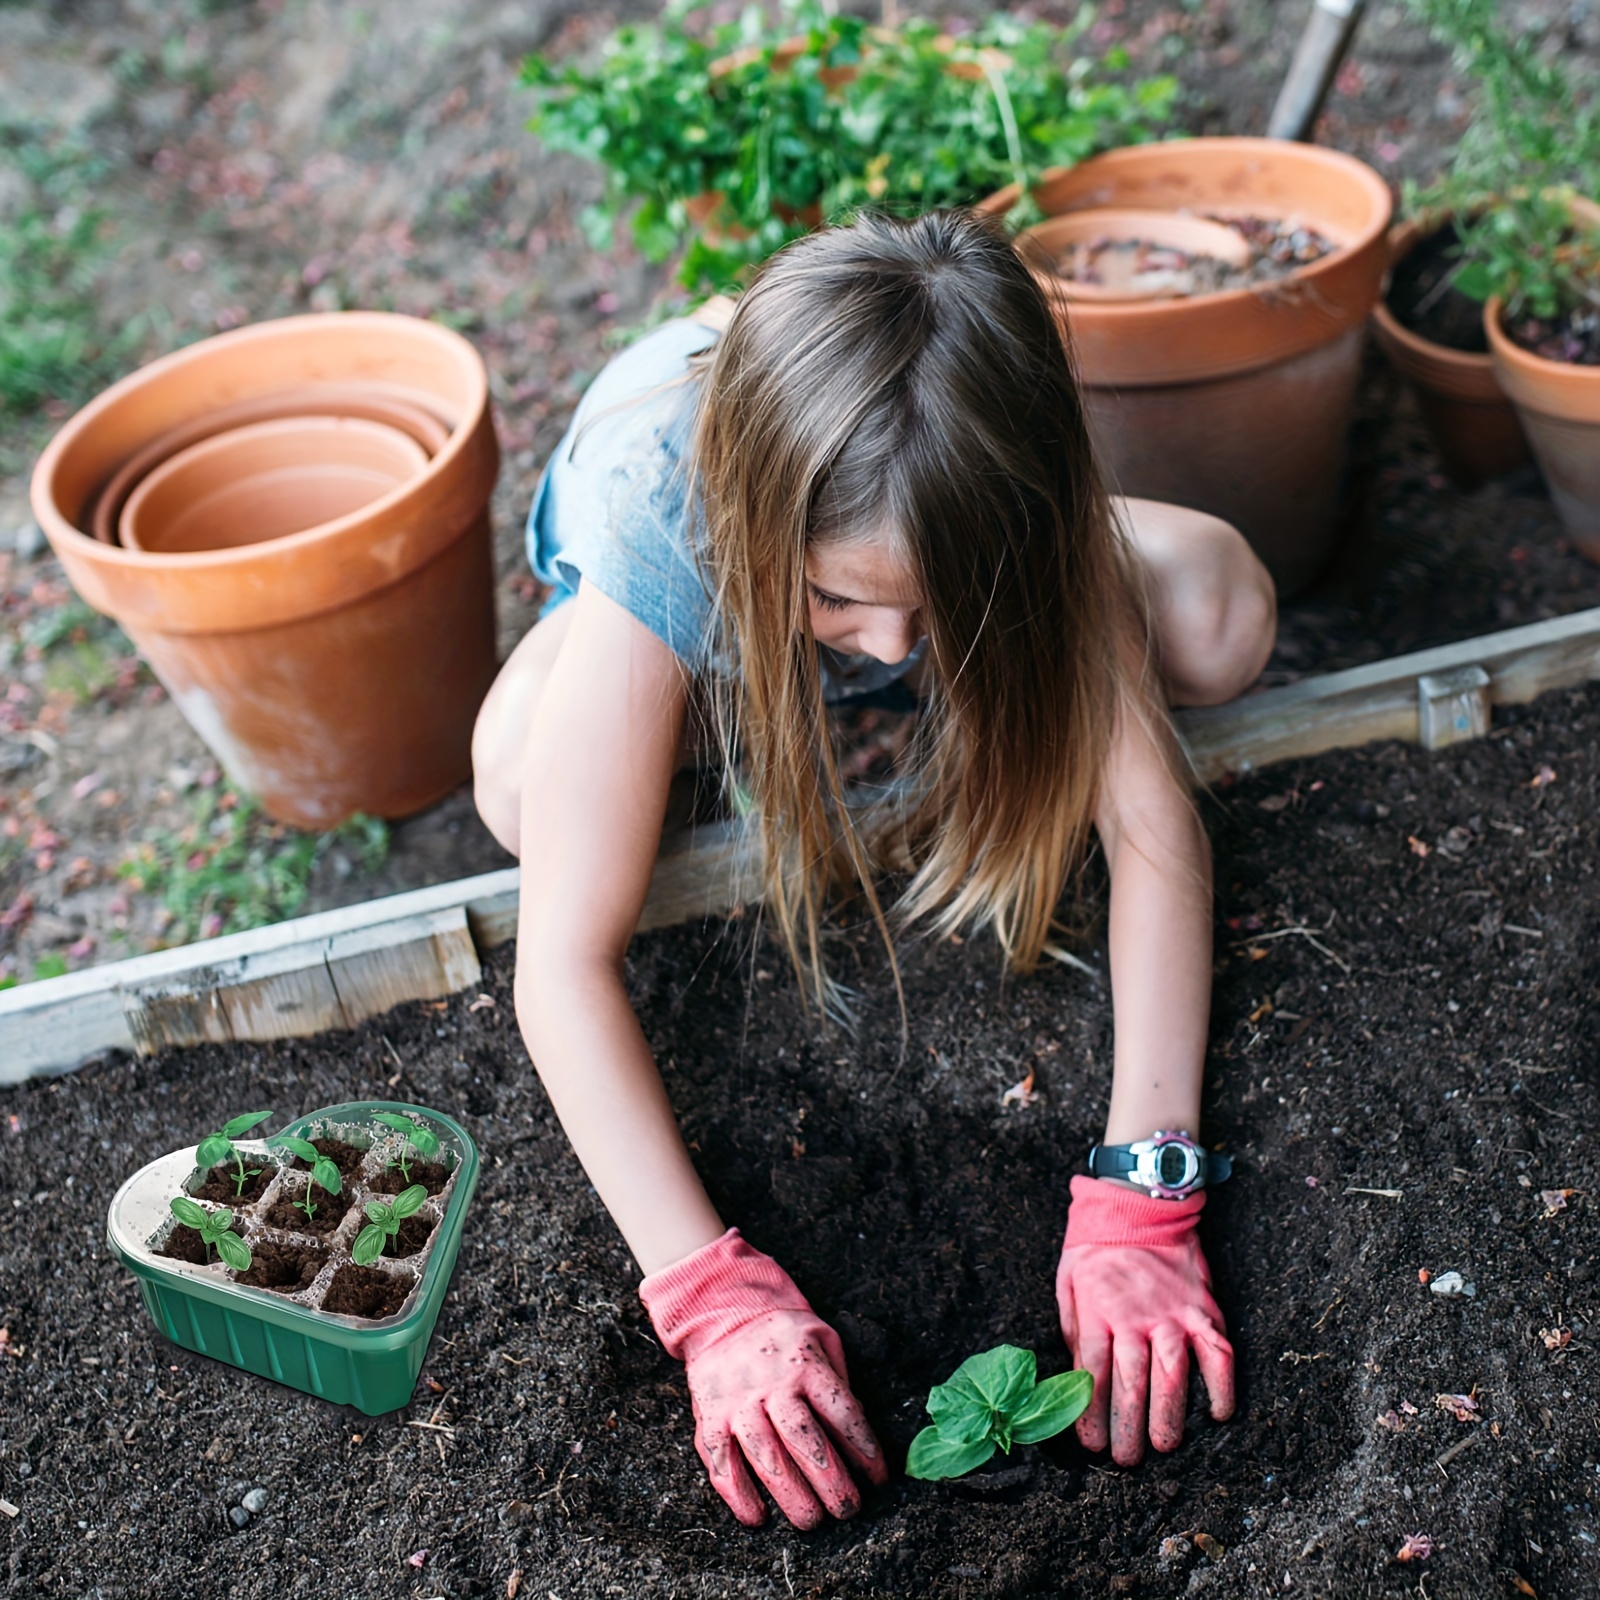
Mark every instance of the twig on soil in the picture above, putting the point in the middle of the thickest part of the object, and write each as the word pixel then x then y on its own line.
pixel 1383 1194
pixel 1455 1450
pixel 433 1427
pixel 1531 933
pixel 1308 934
pixel 9 1510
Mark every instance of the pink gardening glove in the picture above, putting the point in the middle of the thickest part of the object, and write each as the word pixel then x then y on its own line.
pixel 1135 1294
pixel 767 1378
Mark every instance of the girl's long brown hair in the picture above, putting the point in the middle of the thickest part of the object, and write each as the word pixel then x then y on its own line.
pixel 907 380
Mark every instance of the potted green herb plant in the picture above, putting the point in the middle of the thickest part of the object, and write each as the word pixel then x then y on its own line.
pixel 1509 276
pixel 315 1278
pixel 723 142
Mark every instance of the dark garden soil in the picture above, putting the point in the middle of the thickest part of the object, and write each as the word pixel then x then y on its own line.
pixel 413 1233
pixel 432 1175
pixel 185 1244
pixel 330 1211
pixel 366 1291
pixel 346 1157
pixel 284 1267
pixel 1423 299
pixel 222 1185
pixel 1403 1064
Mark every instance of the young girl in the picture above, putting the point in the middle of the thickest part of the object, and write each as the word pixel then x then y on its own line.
pixel 879 468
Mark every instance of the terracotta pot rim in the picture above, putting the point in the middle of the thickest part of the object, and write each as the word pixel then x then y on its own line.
pixel 231 440
pixel 1279 151
pixel 1552 388
pixel 55 521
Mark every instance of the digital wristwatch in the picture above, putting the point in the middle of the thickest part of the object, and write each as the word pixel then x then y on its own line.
pixel 1167 1166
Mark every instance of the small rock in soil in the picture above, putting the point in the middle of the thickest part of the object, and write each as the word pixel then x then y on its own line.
pixel 255 1502
pixel 1453 1286
pixel 238 1516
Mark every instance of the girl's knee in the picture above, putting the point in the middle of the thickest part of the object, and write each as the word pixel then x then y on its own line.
pixel 1220 615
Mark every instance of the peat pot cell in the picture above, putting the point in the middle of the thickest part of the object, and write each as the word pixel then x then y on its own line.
pixel 284 1267
pixel 367 1292
pixel 327 1213
pixel 185 1244
pixel 346 1157
pixel 432 1175
pixel 414 1233
pixel 222 1184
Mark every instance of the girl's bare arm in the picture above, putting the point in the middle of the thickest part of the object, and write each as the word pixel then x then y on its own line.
pixel 600 756
pixel 1160 934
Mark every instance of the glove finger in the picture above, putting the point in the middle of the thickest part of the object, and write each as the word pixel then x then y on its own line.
pixel 1093 1355
pixel 1130 1397
pixel 846 1422
pixel 1169 1388
pixel 1068 1308
pixel 1214 1356
pixel 771 1464
pixel 803 1437
pixel 728 1474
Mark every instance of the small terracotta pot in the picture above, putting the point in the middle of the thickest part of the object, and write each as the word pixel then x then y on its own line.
pixel 1235 403
pixel 1559 404
pixel 266 481
pixel 372 402
pixel 334 670
pixel 1473 424
pixel 1043 245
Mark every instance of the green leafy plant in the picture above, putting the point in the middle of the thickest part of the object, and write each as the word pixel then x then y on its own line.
pixel 384 1224
pixel 218 1147
pixel 1533 145
pixel 232 867
pixel 323 1172
pixel 421 1141
pixel 993 1401
pixel 726 141
pixel 215 1229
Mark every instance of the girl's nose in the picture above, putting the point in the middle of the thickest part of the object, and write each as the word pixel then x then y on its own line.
pixel 891 635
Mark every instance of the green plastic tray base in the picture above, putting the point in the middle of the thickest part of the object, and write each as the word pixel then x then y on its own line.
pixel 371 1364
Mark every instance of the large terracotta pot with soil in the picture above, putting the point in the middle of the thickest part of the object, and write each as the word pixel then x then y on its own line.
pixel 1235 401
pixel 332 669
pixel 1559 404
pixel 1433 335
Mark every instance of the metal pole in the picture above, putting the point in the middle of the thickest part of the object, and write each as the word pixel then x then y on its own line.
pixel 1322 47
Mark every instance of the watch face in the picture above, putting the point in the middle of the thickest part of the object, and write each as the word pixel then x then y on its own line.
pixel 1172 1165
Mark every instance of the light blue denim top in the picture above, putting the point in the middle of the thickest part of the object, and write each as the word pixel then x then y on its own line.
pixel 612 507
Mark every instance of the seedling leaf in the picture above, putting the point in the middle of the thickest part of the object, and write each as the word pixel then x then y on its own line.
pixel 234 1251
pixel 409 1201
pixel 959 1412
pixel 297 1147
pixel 369 1245
pixel 213 1150
pixel 218 1222
pixel 934 1455
pixel 1001 1378
pixel 1053 1406
pixel 189 1212
pixel 425 1139
pixel 379 1211
pixel 326 1175
pixel 235 1126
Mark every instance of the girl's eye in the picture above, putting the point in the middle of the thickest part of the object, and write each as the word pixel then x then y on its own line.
pixel 828 602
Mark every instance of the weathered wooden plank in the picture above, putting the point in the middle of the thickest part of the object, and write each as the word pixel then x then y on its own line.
pixel 1341 709
pixel 418 958
pixel 701 874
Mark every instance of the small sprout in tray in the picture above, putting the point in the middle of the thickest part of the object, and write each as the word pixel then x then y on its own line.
pixel 323 1171
pixel 386 1217
pixel 217 1147
pixel 214 1228
pixel 423 1141
pixel 994 1400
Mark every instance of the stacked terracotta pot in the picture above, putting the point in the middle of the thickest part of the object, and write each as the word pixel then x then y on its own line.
pixel 1236 402
pixel 291 523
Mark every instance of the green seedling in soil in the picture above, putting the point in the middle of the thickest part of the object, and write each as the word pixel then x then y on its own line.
pixel 386 1217
pixel 424 1142
pixel 323 1171
pixel 214 1228
pixel 217 1147
pixel 994 1400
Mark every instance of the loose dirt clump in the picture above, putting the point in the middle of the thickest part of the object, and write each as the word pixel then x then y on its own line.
pixel 284 1267
pixel 366 1292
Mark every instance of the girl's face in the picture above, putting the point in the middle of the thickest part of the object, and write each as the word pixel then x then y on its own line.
pixel 863 599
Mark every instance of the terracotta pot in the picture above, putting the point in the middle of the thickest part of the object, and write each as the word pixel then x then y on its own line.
pixel 372 402
pixel 266 481
pixel 333 670
pixel 1472 422
pixel 1236 403
pixel 1044 244
pixel 1559 404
